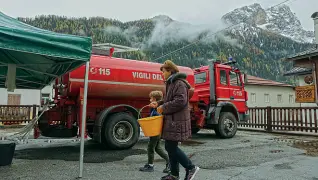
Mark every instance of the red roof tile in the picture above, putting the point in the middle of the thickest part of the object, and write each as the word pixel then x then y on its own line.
pixel 252 80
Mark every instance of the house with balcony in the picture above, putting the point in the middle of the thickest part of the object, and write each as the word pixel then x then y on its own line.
pixel 265 92
pixel 306 70
pixel 22 104
pixel 25 96
pixel 304 85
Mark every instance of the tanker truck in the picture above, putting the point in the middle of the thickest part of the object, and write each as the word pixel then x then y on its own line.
pixel 118 88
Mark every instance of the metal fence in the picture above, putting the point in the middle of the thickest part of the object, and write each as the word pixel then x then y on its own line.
pixel 17 114
pixel 301 119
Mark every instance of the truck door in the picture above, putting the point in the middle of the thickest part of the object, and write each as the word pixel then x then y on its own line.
pixel 222 85
pixel 236 90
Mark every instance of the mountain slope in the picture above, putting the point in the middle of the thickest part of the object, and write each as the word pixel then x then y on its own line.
pixel 279 19
pixel 257 50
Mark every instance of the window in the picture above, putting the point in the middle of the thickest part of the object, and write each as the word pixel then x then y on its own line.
pixel 253 97
pixel 200 78
pixel 279 98
pixel 234 79
pixel 266 98
pixel 45 98
pixel 291 98
pixel 223 77
pixel 14 99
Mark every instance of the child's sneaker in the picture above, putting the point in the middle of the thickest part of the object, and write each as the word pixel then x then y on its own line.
pixel 170 177
pixel 167 169
pixel 146 168
pixel 191 173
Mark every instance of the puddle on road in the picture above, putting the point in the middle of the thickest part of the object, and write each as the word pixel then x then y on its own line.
pixel 283 166
pixel 276 151
pixel 245 141
pixel 93 153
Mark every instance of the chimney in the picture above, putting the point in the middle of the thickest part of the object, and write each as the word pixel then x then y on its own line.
pixel 315 18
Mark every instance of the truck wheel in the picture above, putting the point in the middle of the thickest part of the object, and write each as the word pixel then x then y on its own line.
pixel 121 131
pixel 195 130
pixel 227 125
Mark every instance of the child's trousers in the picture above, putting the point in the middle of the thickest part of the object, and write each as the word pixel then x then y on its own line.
pixel 154 146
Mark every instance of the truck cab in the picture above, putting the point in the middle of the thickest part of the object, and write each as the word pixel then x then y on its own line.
pixel 221 97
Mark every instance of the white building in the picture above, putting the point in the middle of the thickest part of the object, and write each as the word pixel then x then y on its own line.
pixel 264 92
pixel 25 96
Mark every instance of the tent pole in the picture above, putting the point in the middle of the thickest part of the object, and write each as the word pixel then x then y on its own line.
pixel 83 120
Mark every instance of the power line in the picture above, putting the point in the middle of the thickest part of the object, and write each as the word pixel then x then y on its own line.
pixel 192 43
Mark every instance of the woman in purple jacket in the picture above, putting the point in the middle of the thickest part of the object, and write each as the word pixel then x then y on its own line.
pixel 177 121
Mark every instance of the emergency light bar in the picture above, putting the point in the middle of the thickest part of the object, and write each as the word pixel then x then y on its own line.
pixel 231 61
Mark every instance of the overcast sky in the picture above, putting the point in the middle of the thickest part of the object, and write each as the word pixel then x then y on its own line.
pixel 193 11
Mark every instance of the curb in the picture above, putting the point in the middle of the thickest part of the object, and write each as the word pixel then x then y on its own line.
pixel 281 132
pixel 11 126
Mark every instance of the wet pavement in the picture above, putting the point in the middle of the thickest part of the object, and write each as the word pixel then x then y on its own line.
pixel 93 153
pixel 249 155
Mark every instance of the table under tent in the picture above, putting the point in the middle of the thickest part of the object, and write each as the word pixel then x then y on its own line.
pixel 32 58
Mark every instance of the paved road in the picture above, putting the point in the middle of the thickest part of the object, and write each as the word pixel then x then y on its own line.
pixel 248 156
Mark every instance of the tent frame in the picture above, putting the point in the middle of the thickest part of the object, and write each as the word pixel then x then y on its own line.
pixel 102 49
pixel 83 123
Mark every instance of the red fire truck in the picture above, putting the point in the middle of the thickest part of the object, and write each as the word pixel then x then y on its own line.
pixel 118 88
pixel 220 100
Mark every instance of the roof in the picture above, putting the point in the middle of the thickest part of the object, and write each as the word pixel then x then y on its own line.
pixel 314 15
pixel 298 71
pixel 117 48
pixel 107 49
pixel 305 54
pixel 35 57
pixel 252 80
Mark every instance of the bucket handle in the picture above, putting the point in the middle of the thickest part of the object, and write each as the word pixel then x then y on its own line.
pixel 139 115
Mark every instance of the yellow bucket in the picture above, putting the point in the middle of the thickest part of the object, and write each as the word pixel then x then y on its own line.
pixel 151 126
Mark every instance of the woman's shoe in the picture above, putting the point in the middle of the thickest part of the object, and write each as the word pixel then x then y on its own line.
pixel 191 173
pixel 170 177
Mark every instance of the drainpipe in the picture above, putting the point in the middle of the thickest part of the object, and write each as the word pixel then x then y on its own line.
pixel 314 16
pixel 316 80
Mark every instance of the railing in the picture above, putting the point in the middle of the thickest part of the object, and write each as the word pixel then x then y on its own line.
pixel 301 119
pixel 17 114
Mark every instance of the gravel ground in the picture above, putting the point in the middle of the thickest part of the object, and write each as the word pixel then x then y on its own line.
pixel 249 155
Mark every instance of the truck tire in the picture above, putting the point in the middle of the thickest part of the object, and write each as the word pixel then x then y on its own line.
pixel 227 126
pixel 120 131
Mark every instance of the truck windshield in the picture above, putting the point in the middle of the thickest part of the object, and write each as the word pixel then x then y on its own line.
pixel 200 78
pixel 235 79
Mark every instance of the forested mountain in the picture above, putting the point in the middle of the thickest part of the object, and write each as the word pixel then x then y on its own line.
pixel 257 47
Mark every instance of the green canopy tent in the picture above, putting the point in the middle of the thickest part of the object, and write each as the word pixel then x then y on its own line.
pixel 31 58
pixel 39 55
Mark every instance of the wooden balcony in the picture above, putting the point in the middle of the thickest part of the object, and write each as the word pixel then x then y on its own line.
pixel 305 94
